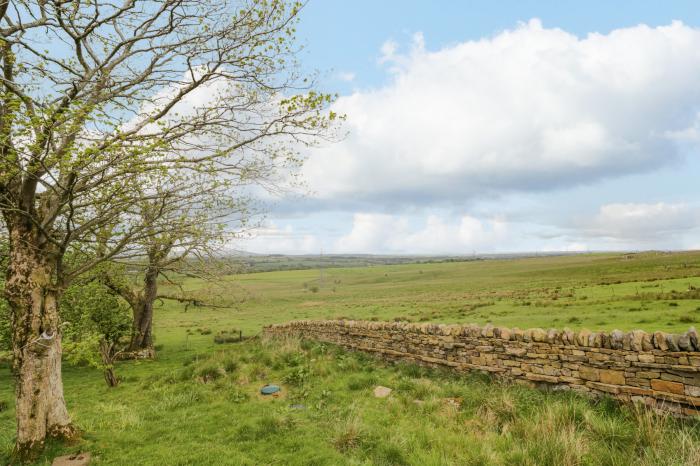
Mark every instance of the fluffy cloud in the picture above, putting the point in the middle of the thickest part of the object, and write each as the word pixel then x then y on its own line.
pixel 272 239
pixel 641 223
pixel 615 226
pixel 527 109
pixel 394 234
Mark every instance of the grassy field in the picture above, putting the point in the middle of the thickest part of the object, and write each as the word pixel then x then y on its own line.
pixel 650 291
pixel 198 404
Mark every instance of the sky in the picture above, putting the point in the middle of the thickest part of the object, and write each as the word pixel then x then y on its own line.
pixel 497 127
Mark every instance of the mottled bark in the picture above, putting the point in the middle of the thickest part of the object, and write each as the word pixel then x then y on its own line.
pixel 33 298
pixel 108 354
pixel 142 330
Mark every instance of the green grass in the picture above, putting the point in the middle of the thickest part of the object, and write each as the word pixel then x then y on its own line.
pixel 198 403
pixel 598 291
pixel 201 407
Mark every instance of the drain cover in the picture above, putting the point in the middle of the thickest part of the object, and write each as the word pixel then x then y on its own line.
pixel 269 389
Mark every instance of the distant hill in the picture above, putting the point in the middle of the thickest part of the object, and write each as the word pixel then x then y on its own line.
pixel 252 262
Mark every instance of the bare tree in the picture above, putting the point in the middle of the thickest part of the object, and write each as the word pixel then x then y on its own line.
pixel 95 95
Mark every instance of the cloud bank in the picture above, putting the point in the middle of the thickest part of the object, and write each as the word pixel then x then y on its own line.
pixel 465 148
pixel 529 109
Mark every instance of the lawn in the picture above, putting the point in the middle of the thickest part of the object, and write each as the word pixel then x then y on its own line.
pixel 198 404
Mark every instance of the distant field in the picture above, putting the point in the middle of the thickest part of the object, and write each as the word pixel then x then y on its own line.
pixel 277 262
pixel 649 291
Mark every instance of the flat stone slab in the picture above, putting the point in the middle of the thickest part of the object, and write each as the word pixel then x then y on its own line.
pixel 79 459
pixel 381 392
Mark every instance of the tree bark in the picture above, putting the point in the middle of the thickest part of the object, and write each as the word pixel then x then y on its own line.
pixel 33 298
pixel 142 330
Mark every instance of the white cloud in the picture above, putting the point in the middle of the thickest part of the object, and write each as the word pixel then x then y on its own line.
pixel 388 51
pixel 641 223
pixel 272 239
pixel 527 109
pixel 346 76
pixel 394 234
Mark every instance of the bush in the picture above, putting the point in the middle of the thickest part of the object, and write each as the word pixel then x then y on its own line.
pixel 297 376
pixel 96 322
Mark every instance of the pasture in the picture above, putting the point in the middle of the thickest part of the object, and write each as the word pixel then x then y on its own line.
pixel 198 403
pixel 650 291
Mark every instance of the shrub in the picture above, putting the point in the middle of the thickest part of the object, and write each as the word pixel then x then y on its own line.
pixel 297 376
pixel 96 322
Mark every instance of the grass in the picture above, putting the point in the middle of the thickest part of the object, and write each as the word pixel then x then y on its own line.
pixel 198 404
pixel 203 408
pixel 649 291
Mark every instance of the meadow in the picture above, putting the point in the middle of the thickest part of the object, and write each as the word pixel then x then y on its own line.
pixel 649 291
pixel 198 403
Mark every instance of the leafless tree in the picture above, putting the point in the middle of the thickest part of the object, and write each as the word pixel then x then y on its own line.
pixel 94 96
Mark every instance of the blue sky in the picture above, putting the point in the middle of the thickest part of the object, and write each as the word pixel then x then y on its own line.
pixel 500 127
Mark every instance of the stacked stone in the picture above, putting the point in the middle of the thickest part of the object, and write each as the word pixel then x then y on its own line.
pixel 658 369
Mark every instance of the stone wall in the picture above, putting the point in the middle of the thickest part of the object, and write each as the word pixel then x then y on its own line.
pixel 658 369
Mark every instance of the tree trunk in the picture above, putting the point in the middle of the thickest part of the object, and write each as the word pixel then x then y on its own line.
pixel 36 343
pixel 142 330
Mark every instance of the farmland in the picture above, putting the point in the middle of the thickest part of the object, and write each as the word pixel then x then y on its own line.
pixel 198 402
pixel 649 291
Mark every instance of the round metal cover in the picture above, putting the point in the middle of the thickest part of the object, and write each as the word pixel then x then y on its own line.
pixel 269 389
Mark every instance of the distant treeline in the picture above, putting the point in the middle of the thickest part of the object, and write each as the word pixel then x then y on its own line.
pixel 277 262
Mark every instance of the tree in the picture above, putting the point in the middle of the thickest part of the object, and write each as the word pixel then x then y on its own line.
pixel 126 89
pixel 188 222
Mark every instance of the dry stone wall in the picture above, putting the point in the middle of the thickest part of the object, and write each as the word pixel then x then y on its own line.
pixel 657 369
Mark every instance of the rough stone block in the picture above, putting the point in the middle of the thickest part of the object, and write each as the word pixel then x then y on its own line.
pixel 691 390
pixel 694 338
pixel 582 337
pixel 636 339
pixel 646 358
pixel 604 387
pixel 612 377
pixel 541 378
pixel 589 373
pixel 668 386
pixel 516 351
pixel 538 335
pixel 660 341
